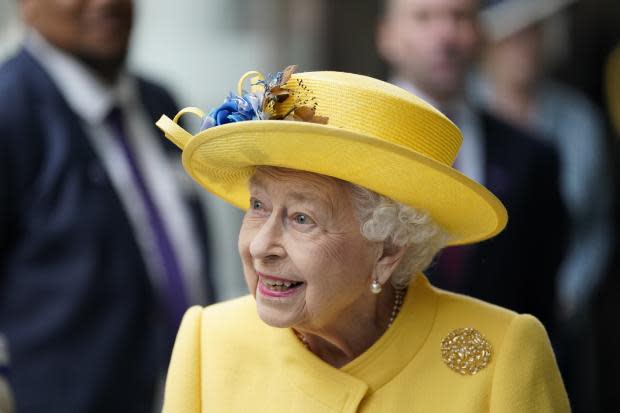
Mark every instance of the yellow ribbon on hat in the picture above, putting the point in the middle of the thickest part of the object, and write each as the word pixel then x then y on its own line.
pixel 173 131
pixel 258 76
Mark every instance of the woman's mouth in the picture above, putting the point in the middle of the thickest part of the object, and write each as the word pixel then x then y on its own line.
pixel 280 285
pixel 277 287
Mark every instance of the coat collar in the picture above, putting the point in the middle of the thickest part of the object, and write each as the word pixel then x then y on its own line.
pixel 343 389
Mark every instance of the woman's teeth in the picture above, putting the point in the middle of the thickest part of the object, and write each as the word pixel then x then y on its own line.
pixel 280 285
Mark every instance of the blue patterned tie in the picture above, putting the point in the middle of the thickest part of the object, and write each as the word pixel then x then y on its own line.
pixel 174 293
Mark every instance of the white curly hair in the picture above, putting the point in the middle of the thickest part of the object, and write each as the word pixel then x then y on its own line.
pixel 386 221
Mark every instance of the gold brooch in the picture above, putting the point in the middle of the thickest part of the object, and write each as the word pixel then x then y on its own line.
pixel 466 351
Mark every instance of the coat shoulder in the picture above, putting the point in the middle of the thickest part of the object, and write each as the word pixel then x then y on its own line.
pixel 232 321
pixel 157 99
pixel 451 305
pixel 16 91
pixel 238 310
pixel 456 311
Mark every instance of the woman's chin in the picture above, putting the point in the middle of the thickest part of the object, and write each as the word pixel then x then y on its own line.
pixel 277 322
pixel 276 319
pixel 276 316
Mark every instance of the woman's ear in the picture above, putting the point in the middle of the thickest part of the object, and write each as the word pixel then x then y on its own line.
pixel 387 262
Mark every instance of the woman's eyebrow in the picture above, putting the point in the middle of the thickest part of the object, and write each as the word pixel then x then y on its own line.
pixel 324 201
pixel 307 197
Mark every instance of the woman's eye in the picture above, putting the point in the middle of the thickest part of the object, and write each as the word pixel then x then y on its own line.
pixel 303 219
pixel 256 204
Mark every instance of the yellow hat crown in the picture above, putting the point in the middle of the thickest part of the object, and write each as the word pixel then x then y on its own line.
pixel 375 108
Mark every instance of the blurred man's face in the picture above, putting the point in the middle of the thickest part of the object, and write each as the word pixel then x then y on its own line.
pixel 517 61
pixel 431 43
pixel 95 31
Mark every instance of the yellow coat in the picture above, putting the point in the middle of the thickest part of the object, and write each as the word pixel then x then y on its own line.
pixel 227 360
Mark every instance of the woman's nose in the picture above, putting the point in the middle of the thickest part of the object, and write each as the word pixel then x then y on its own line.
pixel 267 243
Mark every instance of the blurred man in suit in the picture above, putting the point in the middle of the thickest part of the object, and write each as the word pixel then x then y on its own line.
pixel 430 46
pixel 101 250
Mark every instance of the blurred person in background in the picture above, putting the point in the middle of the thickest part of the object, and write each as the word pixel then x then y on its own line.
pixel 430 46
pixel 101 250
pixel 515 85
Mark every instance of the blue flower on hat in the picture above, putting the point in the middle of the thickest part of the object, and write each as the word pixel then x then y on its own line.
pixel 234 109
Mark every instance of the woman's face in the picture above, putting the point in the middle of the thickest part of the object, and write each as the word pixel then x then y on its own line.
pixel 303 254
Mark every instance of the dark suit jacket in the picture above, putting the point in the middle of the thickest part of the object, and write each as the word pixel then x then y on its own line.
pixel 76 304
pixel 518 268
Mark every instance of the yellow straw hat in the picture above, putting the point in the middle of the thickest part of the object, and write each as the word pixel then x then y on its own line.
pixel 343 125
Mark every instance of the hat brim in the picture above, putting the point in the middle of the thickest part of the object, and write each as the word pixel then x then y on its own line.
pixel 509 17
pixel 223 158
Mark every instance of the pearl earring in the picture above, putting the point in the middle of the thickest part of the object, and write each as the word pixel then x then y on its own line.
pixel 375 286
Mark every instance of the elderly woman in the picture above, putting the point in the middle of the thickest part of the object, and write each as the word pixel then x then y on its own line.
pixel 349 195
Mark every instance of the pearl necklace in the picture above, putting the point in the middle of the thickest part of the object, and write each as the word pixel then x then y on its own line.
pixel 399 296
